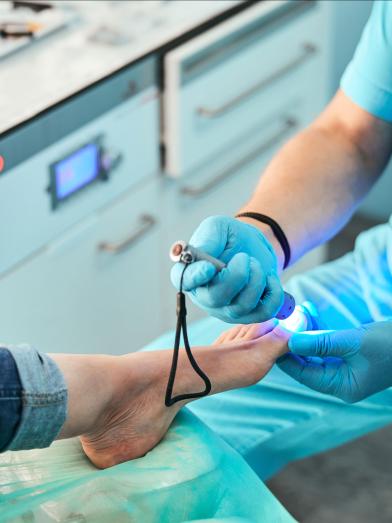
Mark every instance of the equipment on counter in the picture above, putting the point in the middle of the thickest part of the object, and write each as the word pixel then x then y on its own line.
pixel 19 29
pixel 24 23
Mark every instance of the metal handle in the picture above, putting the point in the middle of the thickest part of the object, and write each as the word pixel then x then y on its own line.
pixel 213 112
pixel 146 223
pixel 194 191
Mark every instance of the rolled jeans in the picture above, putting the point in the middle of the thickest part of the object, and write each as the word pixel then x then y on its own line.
pixel 33 398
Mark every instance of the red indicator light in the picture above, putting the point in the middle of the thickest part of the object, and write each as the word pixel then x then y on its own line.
pixel 2 163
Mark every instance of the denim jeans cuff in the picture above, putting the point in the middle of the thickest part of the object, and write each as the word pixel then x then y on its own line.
pixel 44 399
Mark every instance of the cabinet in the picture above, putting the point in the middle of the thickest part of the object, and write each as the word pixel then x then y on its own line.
pixel 221 85
pixel 94 276
pixel 122 113
pixel 95 289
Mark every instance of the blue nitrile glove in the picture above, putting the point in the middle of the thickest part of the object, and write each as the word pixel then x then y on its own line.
pixel 349 364
pixel 248 290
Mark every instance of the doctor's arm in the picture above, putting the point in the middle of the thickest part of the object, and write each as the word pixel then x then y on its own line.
pixel 314 184
pixel 310 188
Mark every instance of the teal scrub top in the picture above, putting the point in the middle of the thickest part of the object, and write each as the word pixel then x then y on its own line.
pixel 367 80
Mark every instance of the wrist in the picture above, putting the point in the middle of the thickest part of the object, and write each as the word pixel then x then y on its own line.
pixel 267 232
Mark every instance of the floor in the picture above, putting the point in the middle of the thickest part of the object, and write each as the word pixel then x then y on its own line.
pixel 351 484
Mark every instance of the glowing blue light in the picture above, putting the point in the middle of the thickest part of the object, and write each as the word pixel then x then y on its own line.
pixel 304 318
pixel 297 321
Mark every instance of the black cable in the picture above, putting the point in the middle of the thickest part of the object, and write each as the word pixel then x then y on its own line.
pixel 276 229
pixel 182 326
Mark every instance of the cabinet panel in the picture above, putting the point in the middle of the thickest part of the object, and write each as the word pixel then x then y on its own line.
pixel 121 114
pixel 94 289
pixel 219 86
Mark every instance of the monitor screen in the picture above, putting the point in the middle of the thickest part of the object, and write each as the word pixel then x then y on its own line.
pixel 76 171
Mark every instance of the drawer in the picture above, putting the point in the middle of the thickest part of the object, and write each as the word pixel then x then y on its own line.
pixel 202 190
pixel 120 115
pixel 219 86
pixel 93 289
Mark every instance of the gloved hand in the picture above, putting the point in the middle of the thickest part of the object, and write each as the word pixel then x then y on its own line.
pixel 349 364
pixel 248 290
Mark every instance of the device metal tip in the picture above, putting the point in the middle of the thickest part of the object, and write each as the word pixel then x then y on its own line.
pixel 176 250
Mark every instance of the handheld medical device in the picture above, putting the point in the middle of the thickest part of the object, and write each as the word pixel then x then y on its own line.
pixel 295 318
pixel 305 317
pixel 186 253
pixel 181 328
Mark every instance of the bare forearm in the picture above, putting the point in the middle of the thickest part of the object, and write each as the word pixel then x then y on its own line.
pixel 313 185
pixel 311 188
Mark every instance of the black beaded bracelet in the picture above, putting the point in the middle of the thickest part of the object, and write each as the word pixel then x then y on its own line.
pixel 276 229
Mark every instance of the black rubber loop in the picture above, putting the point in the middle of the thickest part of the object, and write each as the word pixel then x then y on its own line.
pixel 276 229
pixel 182 326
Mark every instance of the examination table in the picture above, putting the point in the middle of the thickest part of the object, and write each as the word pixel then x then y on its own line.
pixel 192 475
pixel 199 471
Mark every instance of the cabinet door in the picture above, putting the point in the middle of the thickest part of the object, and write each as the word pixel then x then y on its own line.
pixel 219 85
pixel 94 289
pixel 123 121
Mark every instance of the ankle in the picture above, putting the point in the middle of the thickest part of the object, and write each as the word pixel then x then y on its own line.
pixel 87 397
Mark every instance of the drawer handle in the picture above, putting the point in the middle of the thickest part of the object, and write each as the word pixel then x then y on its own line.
pixel 213 112
pixel 194 191
pixel 146 223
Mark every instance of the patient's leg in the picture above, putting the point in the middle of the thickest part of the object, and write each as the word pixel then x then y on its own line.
pixel 136 418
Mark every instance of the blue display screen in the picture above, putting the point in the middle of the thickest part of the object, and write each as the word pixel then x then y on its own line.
pixel 77 170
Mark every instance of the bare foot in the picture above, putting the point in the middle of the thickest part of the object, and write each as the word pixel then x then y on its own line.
pixel 135 418
pixel 246 332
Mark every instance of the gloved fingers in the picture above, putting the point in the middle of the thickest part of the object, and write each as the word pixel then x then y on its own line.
pixel 196 274
pixel 273 296
pixel 266 308
pixel 258 315
pixel 343 344
pixel 324 376
pixel 246 300
pixel 226 284
pixel 211 235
